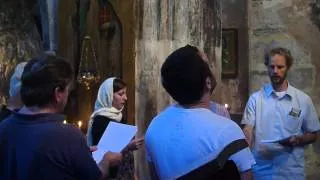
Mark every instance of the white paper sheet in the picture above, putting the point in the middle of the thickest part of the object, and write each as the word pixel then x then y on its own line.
pixel 114 139
pixel 276 141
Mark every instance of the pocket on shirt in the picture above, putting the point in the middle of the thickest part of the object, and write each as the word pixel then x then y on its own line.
pixel 293 124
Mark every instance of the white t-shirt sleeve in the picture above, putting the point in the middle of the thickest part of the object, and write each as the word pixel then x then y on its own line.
pixel 244 158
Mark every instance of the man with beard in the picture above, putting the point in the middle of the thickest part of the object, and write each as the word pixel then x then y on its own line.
pixel 279 121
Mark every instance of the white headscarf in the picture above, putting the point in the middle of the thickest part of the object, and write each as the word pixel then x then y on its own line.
pixel 103 106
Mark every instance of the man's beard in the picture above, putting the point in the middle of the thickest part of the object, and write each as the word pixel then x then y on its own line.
pixel 277 80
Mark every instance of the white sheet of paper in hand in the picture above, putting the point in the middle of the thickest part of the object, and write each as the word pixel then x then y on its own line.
pixel 114 139
pixel 276 141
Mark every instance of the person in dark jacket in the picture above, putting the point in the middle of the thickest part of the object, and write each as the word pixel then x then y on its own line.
pixel 35 143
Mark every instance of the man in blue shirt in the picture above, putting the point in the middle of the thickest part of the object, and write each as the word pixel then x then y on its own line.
pixel 279 121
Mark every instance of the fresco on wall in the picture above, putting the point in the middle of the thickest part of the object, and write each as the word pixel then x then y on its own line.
pixel 229 55
pixel 19 40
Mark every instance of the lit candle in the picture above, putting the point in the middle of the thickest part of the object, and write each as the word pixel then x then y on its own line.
pixel 79 124
pixel 226 106
pixel 65 122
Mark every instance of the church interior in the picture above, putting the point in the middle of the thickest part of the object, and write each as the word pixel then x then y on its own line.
pixel 130 39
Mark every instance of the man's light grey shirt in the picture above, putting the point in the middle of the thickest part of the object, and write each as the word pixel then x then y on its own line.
pixel 276 118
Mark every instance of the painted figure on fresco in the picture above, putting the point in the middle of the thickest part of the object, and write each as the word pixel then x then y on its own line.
pixel 105 16
pixel 84 8
pixel 110 36
pixel 19 40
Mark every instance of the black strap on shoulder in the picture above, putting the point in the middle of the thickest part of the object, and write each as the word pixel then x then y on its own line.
pixel 217 164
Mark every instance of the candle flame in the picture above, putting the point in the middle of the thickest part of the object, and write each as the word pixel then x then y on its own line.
pixel 79 124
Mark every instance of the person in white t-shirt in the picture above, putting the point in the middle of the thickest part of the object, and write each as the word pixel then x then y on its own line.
pixel 188 135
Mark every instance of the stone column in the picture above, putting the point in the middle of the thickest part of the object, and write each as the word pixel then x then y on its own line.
pixel 48 25
pixel 162 27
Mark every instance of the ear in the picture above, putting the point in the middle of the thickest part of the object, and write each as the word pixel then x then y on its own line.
pixel 203 56
pixel 208 83
pixel 58 94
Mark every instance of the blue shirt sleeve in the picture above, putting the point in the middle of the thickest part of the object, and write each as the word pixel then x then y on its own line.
pixel 310 121
pixel 249 115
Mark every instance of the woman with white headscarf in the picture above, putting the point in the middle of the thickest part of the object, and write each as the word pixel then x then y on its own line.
pixel 109 104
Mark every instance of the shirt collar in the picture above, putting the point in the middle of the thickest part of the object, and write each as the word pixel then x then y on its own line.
pixel 268 90
pixel 290 90
pixel 38 118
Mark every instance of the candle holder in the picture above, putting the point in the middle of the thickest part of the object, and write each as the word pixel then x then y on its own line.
pixel 88 69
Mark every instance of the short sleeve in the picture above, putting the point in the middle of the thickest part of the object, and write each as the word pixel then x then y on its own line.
pixel 310 121
pixel 249 115
pixel 243 158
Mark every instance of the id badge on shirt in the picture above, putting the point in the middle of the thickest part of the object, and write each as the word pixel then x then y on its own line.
pixel 295 112
pixel 293 121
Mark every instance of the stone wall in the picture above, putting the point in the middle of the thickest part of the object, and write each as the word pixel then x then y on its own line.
pixel 19 40
pixel 286 23
pixel 235 90
pixel 163 26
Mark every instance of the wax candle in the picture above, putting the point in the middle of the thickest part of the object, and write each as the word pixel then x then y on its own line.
pixel 79 124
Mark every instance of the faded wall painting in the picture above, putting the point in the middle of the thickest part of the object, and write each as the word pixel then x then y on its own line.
pixel 229 55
